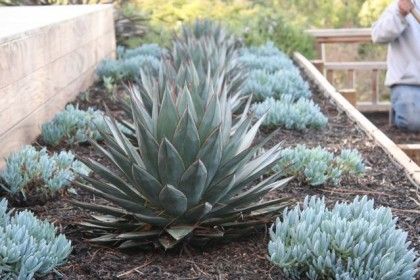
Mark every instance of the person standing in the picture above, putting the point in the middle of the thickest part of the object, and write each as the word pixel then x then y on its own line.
pixel 399 28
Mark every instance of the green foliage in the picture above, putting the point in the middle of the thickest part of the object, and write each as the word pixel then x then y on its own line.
pixel 29 247
pixel 129 63
pixel 371 10
pixel 351 241
pixel 189 174
pixel 30 172
pixel 270 24
pixel 256 23
pixel 74 126
pixel 299 115
pixel 317 166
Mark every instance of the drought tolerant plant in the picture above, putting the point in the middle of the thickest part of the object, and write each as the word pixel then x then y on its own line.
pixel 29 247
pixel 30 174
pixel 74 126
pixel 262 85
pixel 189 175
pixel 351 241
pixel 266 57
pixel 129 63
pixel 299 115
pixel 277 85
pixel 317 166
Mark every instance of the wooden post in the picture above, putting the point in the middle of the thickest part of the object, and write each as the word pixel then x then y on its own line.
pixel 375 97
pixel 350 78
pixel 412 150
pixel 330 75
pixel 319 64
pixel 350 95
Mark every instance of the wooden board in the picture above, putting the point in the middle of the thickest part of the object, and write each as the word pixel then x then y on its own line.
pixel 351 35
pixel 411 168
pixel 412 150
pixel 48 54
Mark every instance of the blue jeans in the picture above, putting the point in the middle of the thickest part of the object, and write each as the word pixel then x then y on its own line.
pixel 406 107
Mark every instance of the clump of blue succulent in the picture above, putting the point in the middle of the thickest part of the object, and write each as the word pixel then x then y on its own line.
pixel 29 247
pixel 130 62
pixel 351 241
pixel 317 166
pixel 74 126
pixel 29 172
pixel 284 112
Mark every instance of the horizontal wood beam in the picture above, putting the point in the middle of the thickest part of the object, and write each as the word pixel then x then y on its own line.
pixel 345 35
pixel 357 65
pixel 411 168
pixel 366 107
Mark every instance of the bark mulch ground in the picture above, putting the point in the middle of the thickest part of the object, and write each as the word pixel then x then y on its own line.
pixel 381 120
pixel 246 258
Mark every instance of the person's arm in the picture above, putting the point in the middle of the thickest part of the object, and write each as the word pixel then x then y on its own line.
pixel 392 22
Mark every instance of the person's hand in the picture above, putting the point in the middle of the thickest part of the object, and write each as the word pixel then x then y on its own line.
pixel 405 7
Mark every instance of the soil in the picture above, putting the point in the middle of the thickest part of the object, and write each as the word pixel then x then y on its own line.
pixel 245 258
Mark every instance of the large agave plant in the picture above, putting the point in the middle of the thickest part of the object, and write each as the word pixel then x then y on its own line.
pixel 190 174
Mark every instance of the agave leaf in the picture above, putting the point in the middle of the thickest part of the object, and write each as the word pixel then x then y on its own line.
pixel 121 139
pixel 98 225
pixel 147 185
pixel 219 190
pixel 198 212
pixel 173 201
pixel 171 166
pixel 138 110
pixel 107 175
pixel 246 174
pixel 211 154
pixel 193 182
pixel 250 196
pixel 231 149
pixel 138 235
pixel 185 102
pixel 212 118
pixel 168 242
pixel 104 209
pixel 131 244
pixel 148 148
pixel 167 119
pixel 248 139
pixel 227 124
pixel 127 193
pixel 134 208
pixel 107 238
pixel 271 205
pixel 238 161
pixel 179 232
pixel 121 165
pixel 186 138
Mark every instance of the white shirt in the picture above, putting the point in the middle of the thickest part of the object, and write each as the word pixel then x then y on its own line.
pixel 403 36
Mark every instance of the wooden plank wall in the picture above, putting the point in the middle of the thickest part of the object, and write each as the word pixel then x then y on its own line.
pixel 43 68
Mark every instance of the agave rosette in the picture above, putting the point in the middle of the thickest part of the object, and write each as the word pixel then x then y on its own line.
pixel 190 175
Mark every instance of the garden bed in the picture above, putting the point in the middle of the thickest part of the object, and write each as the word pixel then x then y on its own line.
pixel 247 258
